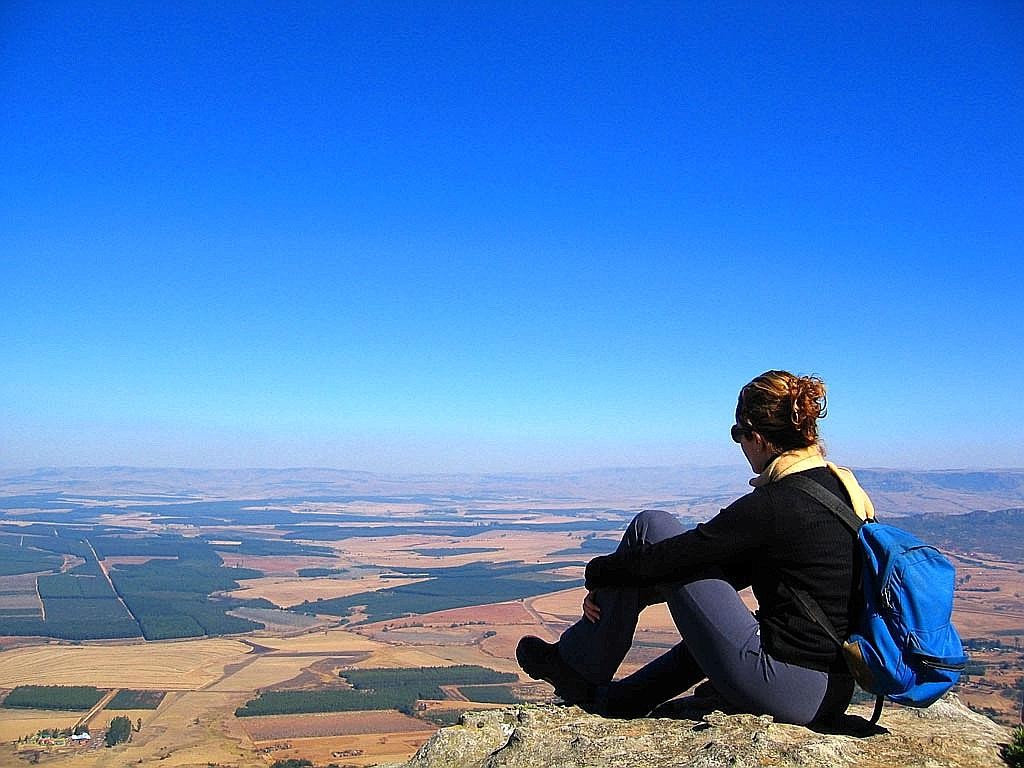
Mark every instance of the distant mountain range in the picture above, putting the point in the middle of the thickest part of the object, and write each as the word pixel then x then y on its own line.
pixel 999 533
pixel 692 490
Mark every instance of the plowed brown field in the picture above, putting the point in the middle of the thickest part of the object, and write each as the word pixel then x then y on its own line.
pixel 282 727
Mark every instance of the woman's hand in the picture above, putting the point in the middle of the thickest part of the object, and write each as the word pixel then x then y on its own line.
pixel 596 574
pixel 591 610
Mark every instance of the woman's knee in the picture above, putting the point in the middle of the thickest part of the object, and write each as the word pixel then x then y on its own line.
pixel 651 526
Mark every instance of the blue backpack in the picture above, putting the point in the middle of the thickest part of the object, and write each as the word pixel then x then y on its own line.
pixel 903 645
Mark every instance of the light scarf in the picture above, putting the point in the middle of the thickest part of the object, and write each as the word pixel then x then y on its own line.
pixel 810 457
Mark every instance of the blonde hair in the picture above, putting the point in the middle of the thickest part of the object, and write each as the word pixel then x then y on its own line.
pixel 784 409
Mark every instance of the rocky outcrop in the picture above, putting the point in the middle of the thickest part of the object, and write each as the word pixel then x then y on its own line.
pixel 549 736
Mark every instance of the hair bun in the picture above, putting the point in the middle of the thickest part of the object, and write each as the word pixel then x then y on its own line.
pixel 784 408
pixel 809 400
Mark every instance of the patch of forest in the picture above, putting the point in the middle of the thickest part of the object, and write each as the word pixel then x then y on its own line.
pixel 451 551
pixel 15 559
pixel 444 588
pixel 315 573
pixel 590 546
pixel 489 694
pixel 78 604
pixel 169 598
pixel 172 598
pixel 274 547
pixel 339 532
pixel 454 530
pixel 72 698
pixel 33 501
pixel 274 512
pixel 129 699
pixel 398 688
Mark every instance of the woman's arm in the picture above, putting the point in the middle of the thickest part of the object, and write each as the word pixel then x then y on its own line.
pixel 733 536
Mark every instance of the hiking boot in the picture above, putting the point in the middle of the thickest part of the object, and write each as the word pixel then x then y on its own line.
pixel 706 690
pixel 542 661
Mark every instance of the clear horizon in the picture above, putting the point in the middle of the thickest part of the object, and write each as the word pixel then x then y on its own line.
pixel 396 239
pixel 725 466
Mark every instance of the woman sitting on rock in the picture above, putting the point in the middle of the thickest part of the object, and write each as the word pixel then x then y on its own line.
pixel 776 539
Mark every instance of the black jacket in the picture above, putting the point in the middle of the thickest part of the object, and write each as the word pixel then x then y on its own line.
pixel 775 536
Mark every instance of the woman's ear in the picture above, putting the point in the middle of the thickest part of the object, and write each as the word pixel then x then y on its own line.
pixel 760 442
pixel 764 452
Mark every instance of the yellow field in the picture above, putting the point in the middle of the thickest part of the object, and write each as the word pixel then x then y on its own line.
pixel 364 750
pixel 529 547
pixel 16 723
pixel 189 729
pixel 184 665
pixel 263 672
pixel 408 656
pixel 325 642
pixel 286 591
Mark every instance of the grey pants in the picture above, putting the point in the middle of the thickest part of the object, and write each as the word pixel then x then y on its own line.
pixel 720 641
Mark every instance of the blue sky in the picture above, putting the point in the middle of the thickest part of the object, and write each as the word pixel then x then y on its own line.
pixel 530 236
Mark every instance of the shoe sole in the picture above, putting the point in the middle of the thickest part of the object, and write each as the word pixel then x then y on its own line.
pixel 530 670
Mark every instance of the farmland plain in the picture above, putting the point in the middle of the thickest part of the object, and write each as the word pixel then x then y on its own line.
pixel 283 581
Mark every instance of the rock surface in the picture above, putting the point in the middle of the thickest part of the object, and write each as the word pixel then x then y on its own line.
pixel 549 736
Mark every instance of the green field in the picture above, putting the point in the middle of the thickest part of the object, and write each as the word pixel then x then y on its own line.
pixel 62 697
pixel 128 699
pixel 489 694
pixel 15 559
pixel 456 587
pixel 375 689
pixel 169 597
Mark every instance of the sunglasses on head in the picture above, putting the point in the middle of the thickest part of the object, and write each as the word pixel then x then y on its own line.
pixel 739 432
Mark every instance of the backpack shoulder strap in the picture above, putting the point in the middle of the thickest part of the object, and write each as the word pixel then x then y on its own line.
pixel 845 513
pixel 813 611
pixel 835 505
